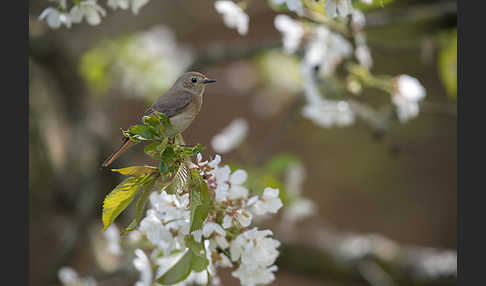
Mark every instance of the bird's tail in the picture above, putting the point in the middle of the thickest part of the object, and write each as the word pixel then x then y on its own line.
pixel 125 145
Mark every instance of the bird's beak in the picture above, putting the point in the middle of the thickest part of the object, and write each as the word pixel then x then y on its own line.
pixel 208 80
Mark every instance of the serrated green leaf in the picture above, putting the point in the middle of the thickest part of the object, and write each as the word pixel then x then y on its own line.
pixel 119 198
pixel 140 206
pixel 141 132
pixel 200 200
pixel 136 171
pixel 179 271
pixel 180 180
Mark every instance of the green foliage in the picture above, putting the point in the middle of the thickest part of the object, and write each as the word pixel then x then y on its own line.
pixel 180 180
pixel 140 206
pixel 136 171
pixel 199 261
pixel 172 164
pixel 315 5
pixel 120 198
pixel 179 271
pixel 93 67
pixel 447 63
pixel 200 201
pixel 194 259
pixel 376 4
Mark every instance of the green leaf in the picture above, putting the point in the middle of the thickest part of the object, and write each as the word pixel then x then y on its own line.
pixel 151 120
pixel 315 5
pixel 165 121
pixel 136 171
pixel 163 167
pixel 180 180
pixel 179 271
pixel 199 261
pixel 376 4
pixel 200 200
pixel 447 64
pixel 141 132
pixel 119 198
pixel 140 206
pixel 168 154
pixel 151 149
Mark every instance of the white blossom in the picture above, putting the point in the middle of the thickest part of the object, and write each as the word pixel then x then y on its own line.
pixel 55 18
pixel 157 233
pixel 367 1
pixel 292 5
pixel 239 243
pixel 143 265
pixel 327 113
pixel 231 136
pixel 298 210
pixel 260 252
pixel 325 49
pixel 233 15
pixel 268 203
pixel 222 176
pixel 241 216
pixel 166 226
pixel 112 235
pixel 122 4
pixel 358 20
pixel 338 8
pixel 250 275
pixel 88 9
pixel 155 61
pixel 237 191
pixel 292 32
pixel 69 277
pixel 408 92
pixel 323 112
pixel 137 5
pixel 212 227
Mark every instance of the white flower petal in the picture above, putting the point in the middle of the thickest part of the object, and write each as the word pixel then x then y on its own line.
pixel 233 15
pixel 238 177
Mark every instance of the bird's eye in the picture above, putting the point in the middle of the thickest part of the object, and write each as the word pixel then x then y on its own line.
pixel 194 80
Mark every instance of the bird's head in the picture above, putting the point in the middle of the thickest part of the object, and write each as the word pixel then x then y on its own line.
pixel 193 81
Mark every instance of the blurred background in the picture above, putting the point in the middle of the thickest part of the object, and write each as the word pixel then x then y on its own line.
pixel 393 187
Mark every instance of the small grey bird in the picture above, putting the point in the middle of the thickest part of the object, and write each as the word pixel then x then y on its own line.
pixel 181 104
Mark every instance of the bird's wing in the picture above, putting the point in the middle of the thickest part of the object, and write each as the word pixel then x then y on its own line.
pixel 171 103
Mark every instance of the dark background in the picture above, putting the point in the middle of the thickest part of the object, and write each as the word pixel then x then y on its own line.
pixel 402 185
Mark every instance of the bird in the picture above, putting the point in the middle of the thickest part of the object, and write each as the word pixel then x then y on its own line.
pixel 181 104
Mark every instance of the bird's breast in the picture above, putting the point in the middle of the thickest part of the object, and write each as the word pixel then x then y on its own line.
pixel 183 119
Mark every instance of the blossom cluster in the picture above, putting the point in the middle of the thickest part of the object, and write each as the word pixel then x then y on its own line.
pixel 85 9
pixel 226 235
pixel 324 50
